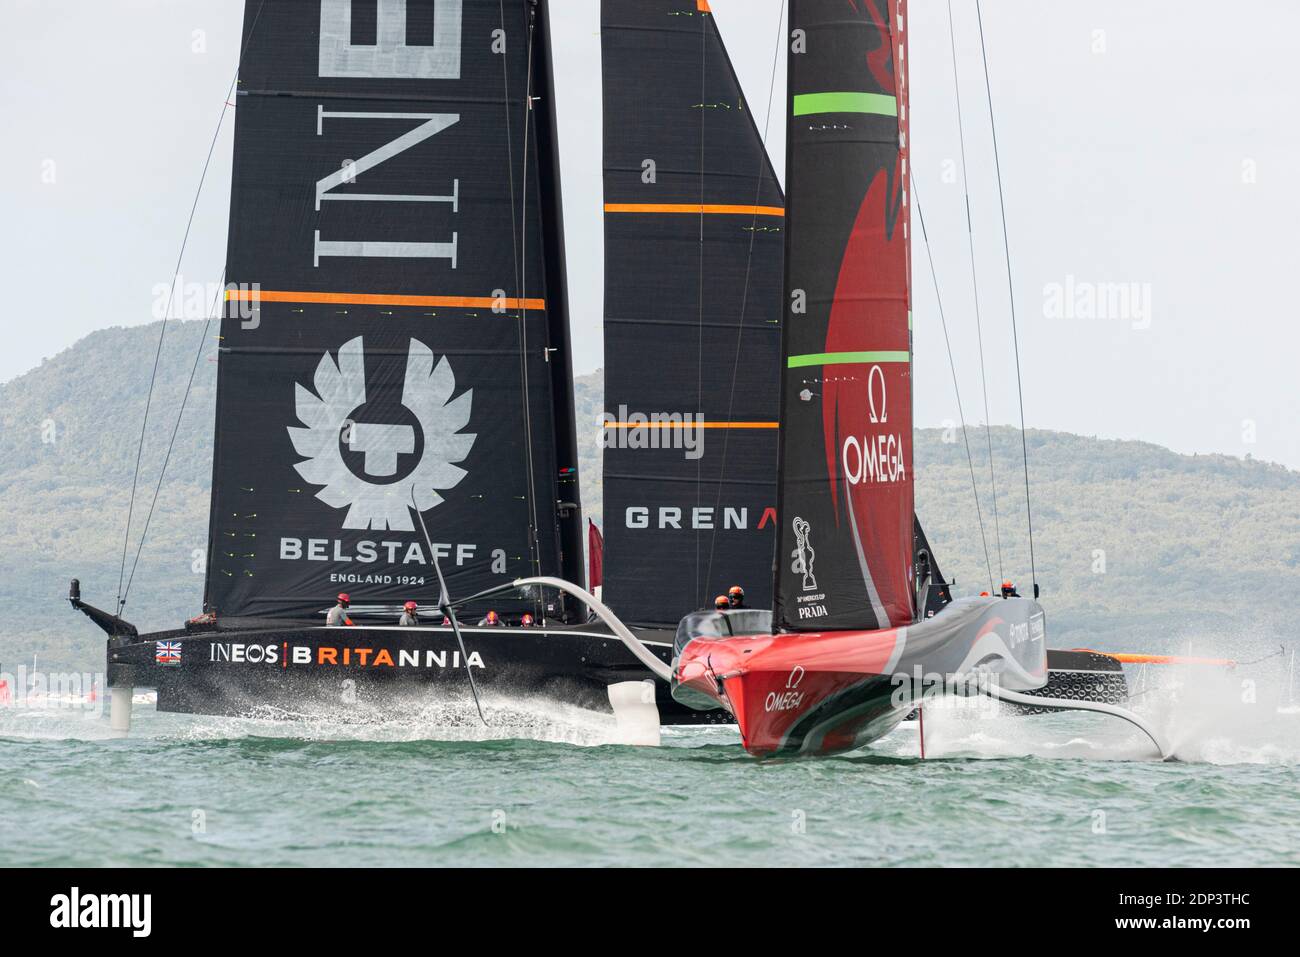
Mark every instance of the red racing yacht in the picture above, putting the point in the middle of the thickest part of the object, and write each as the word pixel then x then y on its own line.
pixel 862 629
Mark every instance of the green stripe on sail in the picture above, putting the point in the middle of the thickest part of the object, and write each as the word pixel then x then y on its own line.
pixel 846 358
pixel 806 104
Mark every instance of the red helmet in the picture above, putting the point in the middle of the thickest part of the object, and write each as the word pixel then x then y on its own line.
pixel 721 602
pixel 492 616
pixel 345 598
pixel 411 606
pixel 736 594
pixel 1008 584
pixel 527 621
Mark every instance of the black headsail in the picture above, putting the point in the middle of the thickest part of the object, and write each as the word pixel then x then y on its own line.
pixel 387 338
pixel 847 540
pixel 694 226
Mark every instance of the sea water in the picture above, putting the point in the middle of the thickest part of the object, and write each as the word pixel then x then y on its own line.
pixel 543 785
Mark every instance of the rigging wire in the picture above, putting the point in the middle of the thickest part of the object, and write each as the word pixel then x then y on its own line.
pixel 162 330
pixel 171 445
pixel 763 168
pixel 1011 294
pixel 447 609
pixel 162 333
pixel 979 329
pixel 952 364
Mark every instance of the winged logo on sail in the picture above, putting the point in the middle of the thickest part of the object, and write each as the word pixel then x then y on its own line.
pixel 341 390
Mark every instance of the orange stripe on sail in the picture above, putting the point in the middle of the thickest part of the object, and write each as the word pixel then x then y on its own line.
pixel 370 299
pixel 693 425
pixel 702 6
pixel 696 208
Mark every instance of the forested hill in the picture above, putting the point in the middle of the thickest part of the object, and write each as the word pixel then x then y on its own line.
pixel 1135 545
pixel 69 431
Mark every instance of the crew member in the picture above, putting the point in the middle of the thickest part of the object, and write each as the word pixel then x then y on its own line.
pixel 410 615
pixel 1009 589
pixel 490 620
pixel 338 616
pixel 721 603
pixel 736 596
pixel 528 621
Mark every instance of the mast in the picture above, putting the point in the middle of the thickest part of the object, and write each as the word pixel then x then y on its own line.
pixel 846 497
pixel 568 505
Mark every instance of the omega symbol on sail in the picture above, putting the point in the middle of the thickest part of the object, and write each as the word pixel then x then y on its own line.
pixel 340 392
pixel 882 415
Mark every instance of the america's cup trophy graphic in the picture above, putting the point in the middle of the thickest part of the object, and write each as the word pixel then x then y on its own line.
pixel 803 554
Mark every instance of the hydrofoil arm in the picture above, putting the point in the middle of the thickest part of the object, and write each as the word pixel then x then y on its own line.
pixel 1064 704
pixel 624 634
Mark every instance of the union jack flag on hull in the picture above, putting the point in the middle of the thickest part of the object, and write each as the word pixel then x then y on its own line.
pixel 167 652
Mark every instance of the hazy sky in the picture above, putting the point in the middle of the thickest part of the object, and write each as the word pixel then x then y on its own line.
pixel 1148 147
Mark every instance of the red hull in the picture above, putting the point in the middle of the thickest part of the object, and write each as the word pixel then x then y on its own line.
pixel 774 684
pixel 830 692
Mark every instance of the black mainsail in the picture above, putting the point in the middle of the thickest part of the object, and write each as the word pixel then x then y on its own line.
pixel 694 232
pixel 847 539
pixel 398 290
